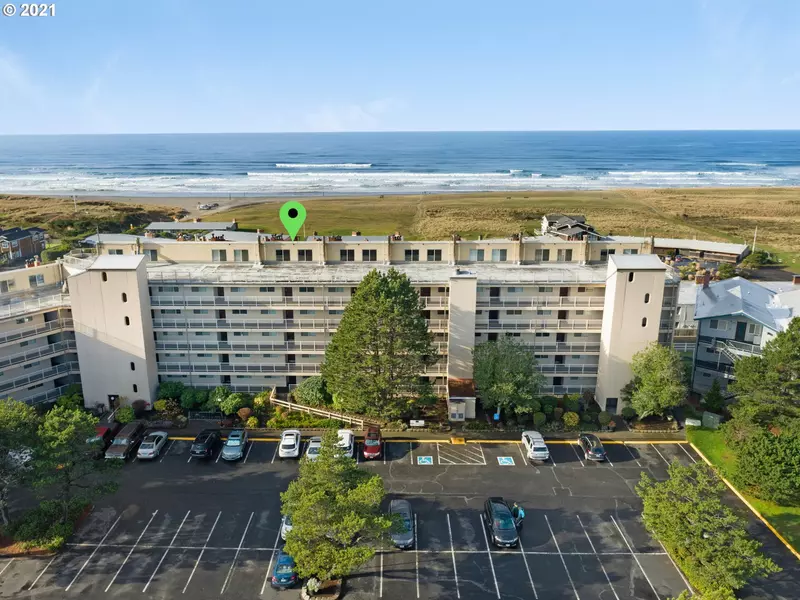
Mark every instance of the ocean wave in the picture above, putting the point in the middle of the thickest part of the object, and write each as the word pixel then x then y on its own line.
pixel 320 166
pixel 354 181
pixel 731 163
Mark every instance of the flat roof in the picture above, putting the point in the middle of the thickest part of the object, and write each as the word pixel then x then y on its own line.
pixel 190 225
pixel 646 262
pixel 681 243
pixel 116 262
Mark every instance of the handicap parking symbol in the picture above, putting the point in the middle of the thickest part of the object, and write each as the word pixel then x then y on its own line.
pixel 505 461
pixel 424 460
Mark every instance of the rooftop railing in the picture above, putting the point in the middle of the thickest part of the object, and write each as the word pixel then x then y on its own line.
pixel 22 307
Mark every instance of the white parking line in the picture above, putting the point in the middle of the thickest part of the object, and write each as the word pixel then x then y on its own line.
pixel 385 449
pixel 163 556
pixel 190 458
pixel 453 553
pixel 416 551
pixel 694 460
pixel 236 556
pixel 271 558
pixel 358 454
pixel 91 556
pixel 250 447
pixel 661 455
pixel 576 454
pixel 8 564
pixel 633 456
pixel 411 448
pixel 39 576
pixel 163 456
pixel 218 456
pixel 608 579
pixel 491 561
pixel 197 562
pixel 522 453
pixel 561 556
pixel 274 454
pixel 380 589
pixel 483 456
pixel 636 558
pixel 528 569
pixel 139 539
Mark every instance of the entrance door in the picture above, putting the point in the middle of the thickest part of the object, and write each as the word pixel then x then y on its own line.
pixel 494 315
pixel 563 292
pixel 494 292
pixel 287 292
pixel 559 359
pixel 561 337
pixel 741 330
pixel 562 315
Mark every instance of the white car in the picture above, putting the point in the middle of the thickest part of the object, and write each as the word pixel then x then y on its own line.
pixel 535 448
pixel 314 444
pixel 347 442
pixel 152 445
pixel 286 526
pixel 290 444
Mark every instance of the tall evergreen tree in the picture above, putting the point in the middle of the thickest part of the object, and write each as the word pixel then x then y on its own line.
pixel 506 375
pixel 374 362
pixel 658 380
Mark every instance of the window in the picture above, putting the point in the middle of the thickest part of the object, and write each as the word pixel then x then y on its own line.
pixel 124 297
pixel 754 329
pixel 268 355
pixel 36 280
pixel 711 350
pixel 204 355
pixel 200 311
pixel 241 255
pixel 241 356
pixel 630 251
pixel 347 255
pixel 104 276
pixel 515 290
pixel 540 334
pixel 513 312
pixel 237 290
pixel 25 343
pixel 714 324
pixel 442 290
pixel 581 290
pixel 22 320
pixel 543 313
pixel 115 252
pixel 240 334
pixel 219 255
pixel 199 289
pixel 7 285
pixel 476 255
pixel 412 255
pixel 267 311
pixel 135 388
pixel 541 255
pixel 499 255
pixel 239 311
pixel 306 290
pixel 170 311
pixel 545 290
pixel 369 255
pixel 336 312
pixel 644 321
pixel 151 255
pixel 307 334
pixel 564 255
pixel 434 255
pixel 579 312
pixel 630 276
pixel 133 366
pixel 604 254
pixel 336 290
pixel 647 298
pixel 127 321
pixel 202 334
pixel 168 289
pixel 510 334
pixel 282 256
pixel 308 312
pixel 266 290
pixel 269 333
pixel 31 365
pixel 305 255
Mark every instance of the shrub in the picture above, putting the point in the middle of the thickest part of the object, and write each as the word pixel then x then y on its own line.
pixel 233 403
pixel 41 527
pixel 72 397
pixel 558 412
pixel 180 422
pixel 218 394
pixel 251 423
pixel 536 406
pixel 570 420
pixel 477 425
pixel 124 415
pixel 571 404
pixel 301 419
pixel 160 405
pixel 588 417
pixel 400 426
pixel 261 400
pixel 139 408
pixel 170 389
pixel 604 418
pixel 244 413
pixel 548 409
pixel 312 392
pixel 768 466
pixel 193 399
pixel 539 419
pixel 628 413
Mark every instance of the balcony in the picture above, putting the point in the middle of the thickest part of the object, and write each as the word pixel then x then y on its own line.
pixel 282 369
pixel 257 302
pixel 564 348
pixel 567 369
pixel 47 396
pixel 51 373
pixel 724 369
pixel 36 353
pixel 282 325
pixel 554 302
pixel 735 350
pixel 22 307
pixel 301 347
pixel 50 326
pixel 560 390
pixel 537 325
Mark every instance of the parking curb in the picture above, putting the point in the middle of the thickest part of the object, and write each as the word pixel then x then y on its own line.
pixel 747 504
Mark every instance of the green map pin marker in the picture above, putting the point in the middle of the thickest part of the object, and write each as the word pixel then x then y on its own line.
pixel 293 215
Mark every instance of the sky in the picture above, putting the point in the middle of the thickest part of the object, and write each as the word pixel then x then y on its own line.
pixel 192 66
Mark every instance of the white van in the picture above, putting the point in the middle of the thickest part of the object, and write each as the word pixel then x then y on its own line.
pixel 535 448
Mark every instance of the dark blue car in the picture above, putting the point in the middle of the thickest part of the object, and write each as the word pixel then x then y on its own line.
pixel 591 446
pixel 283 574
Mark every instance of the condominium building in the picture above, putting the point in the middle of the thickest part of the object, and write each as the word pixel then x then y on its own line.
pixel 253 311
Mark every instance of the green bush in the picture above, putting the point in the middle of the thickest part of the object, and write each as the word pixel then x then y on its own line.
pixel 628 413
pixel 548 409
pixel 124 415
pixel 171 389
pixel 604 418
pixel 234 402
pixel 252 423
pixel 539 419
pixel 401 426
pixel 570 420
pixel 51 253
pixel 160 405
pixel 558 412
pixel 571 404
pixel 312 392
pixel 536 406
pixel 768 465
pixel 301 419
pixel 477 425
pixel 588 417
pixel 41 527
pixel 193 399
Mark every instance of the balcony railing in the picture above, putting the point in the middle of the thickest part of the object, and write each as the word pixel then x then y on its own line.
pixel 290 368
pixel 42 352
pixel 47 396
pixel 302 347
pixel 725 369
pixel 285 324
pixel 735 350
pixel 28 306
pixel 555 302
pixel 21 334
pixel 689 332
pixel 565 348
pixel 536 325
pixel 272 301
pixel 568 369
pixel 559 390
pixel 62 369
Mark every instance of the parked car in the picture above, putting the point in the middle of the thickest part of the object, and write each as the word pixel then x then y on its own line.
pixel 591 446
pixel 126 441
pixel 104 435
pixel 152 445
pixel 284 574
pixel 235 445
pixel 290 444
pixel 347 442
pixel 500 522
pixel 286 526
pixel 373 443
pixel 314 444
pixel 205 442
pixel 403 539
pixel 534 446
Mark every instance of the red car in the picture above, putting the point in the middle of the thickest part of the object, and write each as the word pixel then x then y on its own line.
pixel 373 443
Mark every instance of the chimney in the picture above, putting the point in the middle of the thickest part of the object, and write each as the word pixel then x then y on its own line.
pixel 196 220
pixel 795 279
pixel 258 231
pixel 480 236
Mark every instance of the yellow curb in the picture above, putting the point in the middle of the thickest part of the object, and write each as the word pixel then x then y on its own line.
pixel 457 440
pixel 747 504
pixel 667 442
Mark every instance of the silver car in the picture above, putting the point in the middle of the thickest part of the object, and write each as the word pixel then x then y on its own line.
pixel 290 444
pixel 286 526
pixel 152 445
pixel 235 445
pixel 403 539
pixel 314 444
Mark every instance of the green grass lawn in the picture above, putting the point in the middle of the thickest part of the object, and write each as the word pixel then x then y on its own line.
pixel 786 519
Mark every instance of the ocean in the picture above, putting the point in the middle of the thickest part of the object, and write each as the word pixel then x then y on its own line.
pixel 378 163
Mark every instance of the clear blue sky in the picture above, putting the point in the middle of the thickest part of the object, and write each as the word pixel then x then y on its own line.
pixel 139 66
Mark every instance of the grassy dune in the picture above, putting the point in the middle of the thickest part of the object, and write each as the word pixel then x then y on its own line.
pixel 717 214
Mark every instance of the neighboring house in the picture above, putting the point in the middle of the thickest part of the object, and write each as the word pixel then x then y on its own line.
pixel 18 244
pixel 568 227
pixel 736 318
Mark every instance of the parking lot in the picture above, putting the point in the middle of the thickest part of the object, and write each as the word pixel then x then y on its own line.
pixel 182 527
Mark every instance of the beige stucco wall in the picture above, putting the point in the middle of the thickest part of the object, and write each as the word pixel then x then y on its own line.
pixel 106 345
pixel 461 339
pixel 622 333
pixel 19 279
